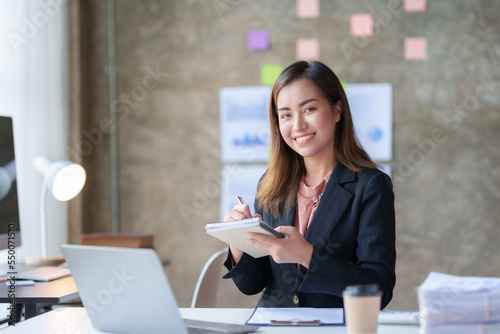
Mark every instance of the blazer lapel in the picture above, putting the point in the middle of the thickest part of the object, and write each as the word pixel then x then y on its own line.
pixel 334 202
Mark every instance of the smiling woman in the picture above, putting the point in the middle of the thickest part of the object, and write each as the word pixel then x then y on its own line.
pixel 324 193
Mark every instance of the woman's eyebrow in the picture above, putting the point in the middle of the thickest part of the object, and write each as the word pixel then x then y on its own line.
pixel 300 104
pixel 307 101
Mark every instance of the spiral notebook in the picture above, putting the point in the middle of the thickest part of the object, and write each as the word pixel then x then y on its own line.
pixel 235 233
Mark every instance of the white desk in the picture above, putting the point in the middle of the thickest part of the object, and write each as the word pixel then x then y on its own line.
pixel 76 320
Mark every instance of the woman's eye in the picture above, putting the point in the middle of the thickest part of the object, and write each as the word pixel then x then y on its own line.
pixel 310 109
pixel 285 116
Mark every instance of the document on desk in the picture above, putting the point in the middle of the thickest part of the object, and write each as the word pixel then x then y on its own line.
pixel 301 316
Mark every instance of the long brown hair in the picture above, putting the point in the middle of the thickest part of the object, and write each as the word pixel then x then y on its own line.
pixel 277 190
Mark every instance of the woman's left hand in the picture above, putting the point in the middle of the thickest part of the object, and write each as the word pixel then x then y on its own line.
pixel 293 248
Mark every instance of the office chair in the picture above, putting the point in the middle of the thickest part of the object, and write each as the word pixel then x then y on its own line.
pixel 205 291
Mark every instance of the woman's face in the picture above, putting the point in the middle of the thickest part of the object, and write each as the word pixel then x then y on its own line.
pixel 307 120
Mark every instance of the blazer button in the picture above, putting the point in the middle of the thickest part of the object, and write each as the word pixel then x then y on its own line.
pixel 295 300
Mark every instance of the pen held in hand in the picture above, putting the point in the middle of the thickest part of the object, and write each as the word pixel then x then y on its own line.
pixel 240 200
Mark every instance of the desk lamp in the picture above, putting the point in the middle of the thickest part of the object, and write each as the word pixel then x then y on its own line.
pixel 64 179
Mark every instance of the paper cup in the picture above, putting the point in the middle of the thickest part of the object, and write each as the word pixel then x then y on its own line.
pixel 361 308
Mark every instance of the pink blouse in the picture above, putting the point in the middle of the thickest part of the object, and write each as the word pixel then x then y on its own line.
pixel 307 202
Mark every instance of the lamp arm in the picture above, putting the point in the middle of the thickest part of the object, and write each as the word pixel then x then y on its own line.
pixel 43 216
pixel 54 174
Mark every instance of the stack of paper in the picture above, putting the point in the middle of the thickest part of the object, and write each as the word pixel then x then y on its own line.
pixel 452 303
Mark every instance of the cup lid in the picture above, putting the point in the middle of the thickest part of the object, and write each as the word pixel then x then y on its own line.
pixel 362 290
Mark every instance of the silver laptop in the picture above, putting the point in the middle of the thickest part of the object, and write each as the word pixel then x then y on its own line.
pixel 125 290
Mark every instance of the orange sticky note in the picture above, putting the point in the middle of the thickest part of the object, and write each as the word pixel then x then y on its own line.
pixel 307 49
pixel 415 5
pixel 307 8
pixel 362 25
pixel 415 48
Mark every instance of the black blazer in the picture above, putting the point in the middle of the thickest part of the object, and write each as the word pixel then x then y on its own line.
pixel 353 234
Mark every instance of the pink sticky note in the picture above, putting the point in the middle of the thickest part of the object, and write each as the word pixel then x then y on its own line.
pixel 362 25
pixel 307 8
pixel 307 49
pixel 258 40
pixel 415 48
pixel 415 5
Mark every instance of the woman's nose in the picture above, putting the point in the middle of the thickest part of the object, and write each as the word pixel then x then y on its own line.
pixel 299 123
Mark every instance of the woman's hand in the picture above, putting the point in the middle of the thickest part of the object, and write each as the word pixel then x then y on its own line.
pixel 293 248
pixel 238 212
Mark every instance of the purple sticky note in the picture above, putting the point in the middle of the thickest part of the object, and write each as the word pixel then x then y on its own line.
pixel 258 40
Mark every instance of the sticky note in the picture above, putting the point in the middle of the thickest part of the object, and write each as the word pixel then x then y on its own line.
pixel 415 5
pixel 415 48
pixel 307 8
pixel 343 83
pixel 269 73
pixel 307 49
pixel 258 40
pixel 362 25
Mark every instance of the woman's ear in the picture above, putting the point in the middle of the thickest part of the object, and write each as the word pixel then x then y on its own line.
pixel 337 111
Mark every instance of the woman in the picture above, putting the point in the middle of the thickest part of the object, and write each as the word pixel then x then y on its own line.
pixel 323 192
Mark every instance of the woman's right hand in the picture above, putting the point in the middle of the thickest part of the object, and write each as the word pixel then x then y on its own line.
pixel 238 212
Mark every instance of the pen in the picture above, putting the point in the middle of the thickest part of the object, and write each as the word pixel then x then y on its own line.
pixel 240 200
pixel 296 322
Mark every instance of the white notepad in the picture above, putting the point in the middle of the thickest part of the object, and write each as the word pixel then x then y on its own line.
pixel 235 233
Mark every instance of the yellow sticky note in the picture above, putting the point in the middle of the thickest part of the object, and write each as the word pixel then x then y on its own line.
pixel 269 73
pixel 343 83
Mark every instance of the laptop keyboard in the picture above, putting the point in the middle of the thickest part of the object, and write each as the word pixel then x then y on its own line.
pixel 44 273
pixel 393 317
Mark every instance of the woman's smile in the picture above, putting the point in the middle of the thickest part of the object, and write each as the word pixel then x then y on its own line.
pixel 304 138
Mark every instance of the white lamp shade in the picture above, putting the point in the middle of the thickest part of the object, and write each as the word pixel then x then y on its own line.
pixel 68 182
pixel 64 178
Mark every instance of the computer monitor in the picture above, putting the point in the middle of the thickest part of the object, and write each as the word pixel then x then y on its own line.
pixel 9 209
